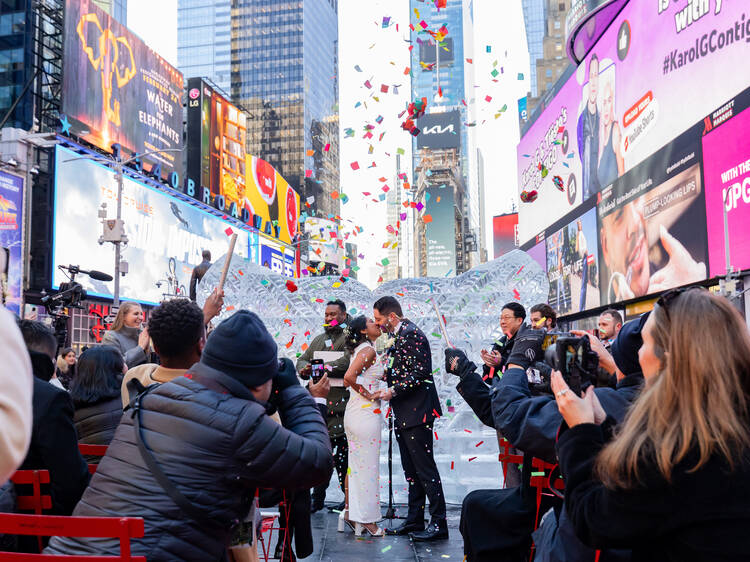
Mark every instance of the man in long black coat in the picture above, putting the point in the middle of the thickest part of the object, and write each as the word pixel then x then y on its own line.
pixel 415 405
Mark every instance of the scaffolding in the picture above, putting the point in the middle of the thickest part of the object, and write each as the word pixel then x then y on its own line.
pixel 47 60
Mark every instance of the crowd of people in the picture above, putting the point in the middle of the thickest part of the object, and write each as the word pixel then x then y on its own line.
pixel 652 443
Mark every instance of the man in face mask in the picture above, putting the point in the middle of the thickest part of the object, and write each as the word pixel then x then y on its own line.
pixel 332 343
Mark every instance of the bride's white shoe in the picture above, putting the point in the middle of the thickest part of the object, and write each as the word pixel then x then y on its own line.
pixel 360 529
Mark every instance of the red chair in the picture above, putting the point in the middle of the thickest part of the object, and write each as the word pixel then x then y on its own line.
pixel 96 450
pixel 506 458
pixel 35 502
pixel 123 528
pixel 269 525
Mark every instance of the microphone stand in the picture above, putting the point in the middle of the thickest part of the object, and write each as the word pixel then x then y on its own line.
pixel 391 512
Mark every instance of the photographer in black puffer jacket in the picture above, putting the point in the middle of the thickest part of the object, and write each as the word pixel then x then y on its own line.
pixel 206 443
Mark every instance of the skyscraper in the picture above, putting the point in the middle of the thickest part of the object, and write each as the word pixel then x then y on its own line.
pixel 118 9
pixel 440 160
pixel 204 46
pixel 534 16
pixel 285 73
pixel 16 63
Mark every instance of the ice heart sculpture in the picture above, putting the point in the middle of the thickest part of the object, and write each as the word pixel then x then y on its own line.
pixel 470 303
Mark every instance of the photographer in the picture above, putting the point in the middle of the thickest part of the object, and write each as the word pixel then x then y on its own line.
pixel 531 422
pixel 190 457
pixel 674 482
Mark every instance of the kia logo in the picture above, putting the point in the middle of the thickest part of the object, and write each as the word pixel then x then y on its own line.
pixel 438 130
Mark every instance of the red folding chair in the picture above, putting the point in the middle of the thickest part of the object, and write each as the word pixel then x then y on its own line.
pixel 95 450
pixel 506 458
pixel 269 525
pixel 36 502
pixel 122 528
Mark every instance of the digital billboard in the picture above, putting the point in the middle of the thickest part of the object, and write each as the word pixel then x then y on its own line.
pixel 726 169
pixel 440 233
pixel 11 240
pixel 642 85
pixel 652 224
pixel 159 228
pixel 504 233
pixel 572 265
pixel 539 254
pixel 216 137
pixel 439 130
pixel 277 257
pixel 119 90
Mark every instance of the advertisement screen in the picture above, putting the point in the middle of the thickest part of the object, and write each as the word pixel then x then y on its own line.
pixel 159 228
pixel 216 136
pixel 439 130
pixel 726 169
pixel 269 196
pixel 504 233
pixel 652 225
pixel 322 235
pixel 440 233
pixel 11 240
pixel 277 257
pixel 641 86
pixel 118 89
pixel 572 265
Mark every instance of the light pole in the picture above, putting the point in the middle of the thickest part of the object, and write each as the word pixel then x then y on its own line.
pixel 117 237
pixel 729 283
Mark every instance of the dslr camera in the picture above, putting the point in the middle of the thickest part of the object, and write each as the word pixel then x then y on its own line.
pixel 572 356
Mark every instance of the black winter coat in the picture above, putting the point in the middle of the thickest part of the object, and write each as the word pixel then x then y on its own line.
pixel 701 516
pixel 409 373
pixel 216 445
pixel 96 423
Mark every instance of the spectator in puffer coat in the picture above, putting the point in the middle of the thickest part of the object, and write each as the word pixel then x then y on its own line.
pixel 96 396
pixel 210 434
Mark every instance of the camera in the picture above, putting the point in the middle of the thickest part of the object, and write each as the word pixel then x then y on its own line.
pixel 572 356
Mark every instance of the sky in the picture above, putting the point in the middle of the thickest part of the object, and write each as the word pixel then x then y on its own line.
pixel 381 56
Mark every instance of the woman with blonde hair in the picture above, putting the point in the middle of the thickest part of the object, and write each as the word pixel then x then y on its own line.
pixel 126 335
pixel 66 366
pixel 674 482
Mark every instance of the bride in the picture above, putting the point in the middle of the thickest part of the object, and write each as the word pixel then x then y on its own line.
pixel 362 424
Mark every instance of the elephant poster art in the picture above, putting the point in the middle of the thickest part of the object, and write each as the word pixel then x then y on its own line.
pixel 117 90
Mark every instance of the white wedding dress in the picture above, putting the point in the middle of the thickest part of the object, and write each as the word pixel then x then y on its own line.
pixel 363 428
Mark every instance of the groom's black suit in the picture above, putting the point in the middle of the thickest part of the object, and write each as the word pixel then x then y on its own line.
pixel 415 406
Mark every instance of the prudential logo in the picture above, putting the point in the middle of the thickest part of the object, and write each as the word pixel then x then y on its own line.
pixel 438 130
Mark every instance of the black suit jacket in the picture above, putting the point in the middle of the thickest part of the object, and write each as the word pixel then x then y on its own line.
pixel 409 374
pixel 54 447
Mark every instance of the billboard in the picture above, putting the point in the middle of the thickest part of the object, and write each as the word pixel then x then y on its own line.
pixel 11 240
pixel 119 90
pixel 439 130
pixel 638 88
pixel 572 265
pixel 652 224
pixel 726 169
pixel 216 136
pixel 322 236
pixel 539 254
pixel 159 227
pixel 440 233
pixel 504 233
pixel 277 257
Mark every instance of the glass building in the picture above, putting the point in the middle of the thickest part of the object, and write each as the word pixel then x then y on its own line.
pixel 118 9
pixel 535 19
pixel 439 69
pixel 204 46
pixel 284 72
pixel 16 68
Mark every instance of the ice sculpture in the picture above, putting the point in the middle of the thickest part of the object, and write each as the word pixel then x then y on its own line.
pixel 465 450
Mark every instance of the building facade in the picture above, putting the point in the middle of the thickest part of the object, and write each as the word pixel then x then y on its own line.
pixel 535 20
pixel 204 46
pixel 553 62
pixel 285 73
pixel 118 9
pixel 16 63
pixel 438 74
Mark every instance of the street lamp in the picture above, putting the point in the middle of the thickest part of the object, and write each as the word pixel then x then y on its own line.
pixel 729 283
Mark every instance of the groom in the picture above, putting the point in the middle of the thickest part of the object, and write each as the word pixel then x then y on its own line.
pixel 415 405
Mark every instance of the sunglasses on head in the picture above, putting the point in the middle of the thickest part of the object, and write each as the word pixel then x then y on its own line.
pixel 670 296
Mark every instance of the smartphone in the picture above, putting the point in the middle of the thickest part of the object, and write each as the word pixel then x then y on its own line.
pixel 317 370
